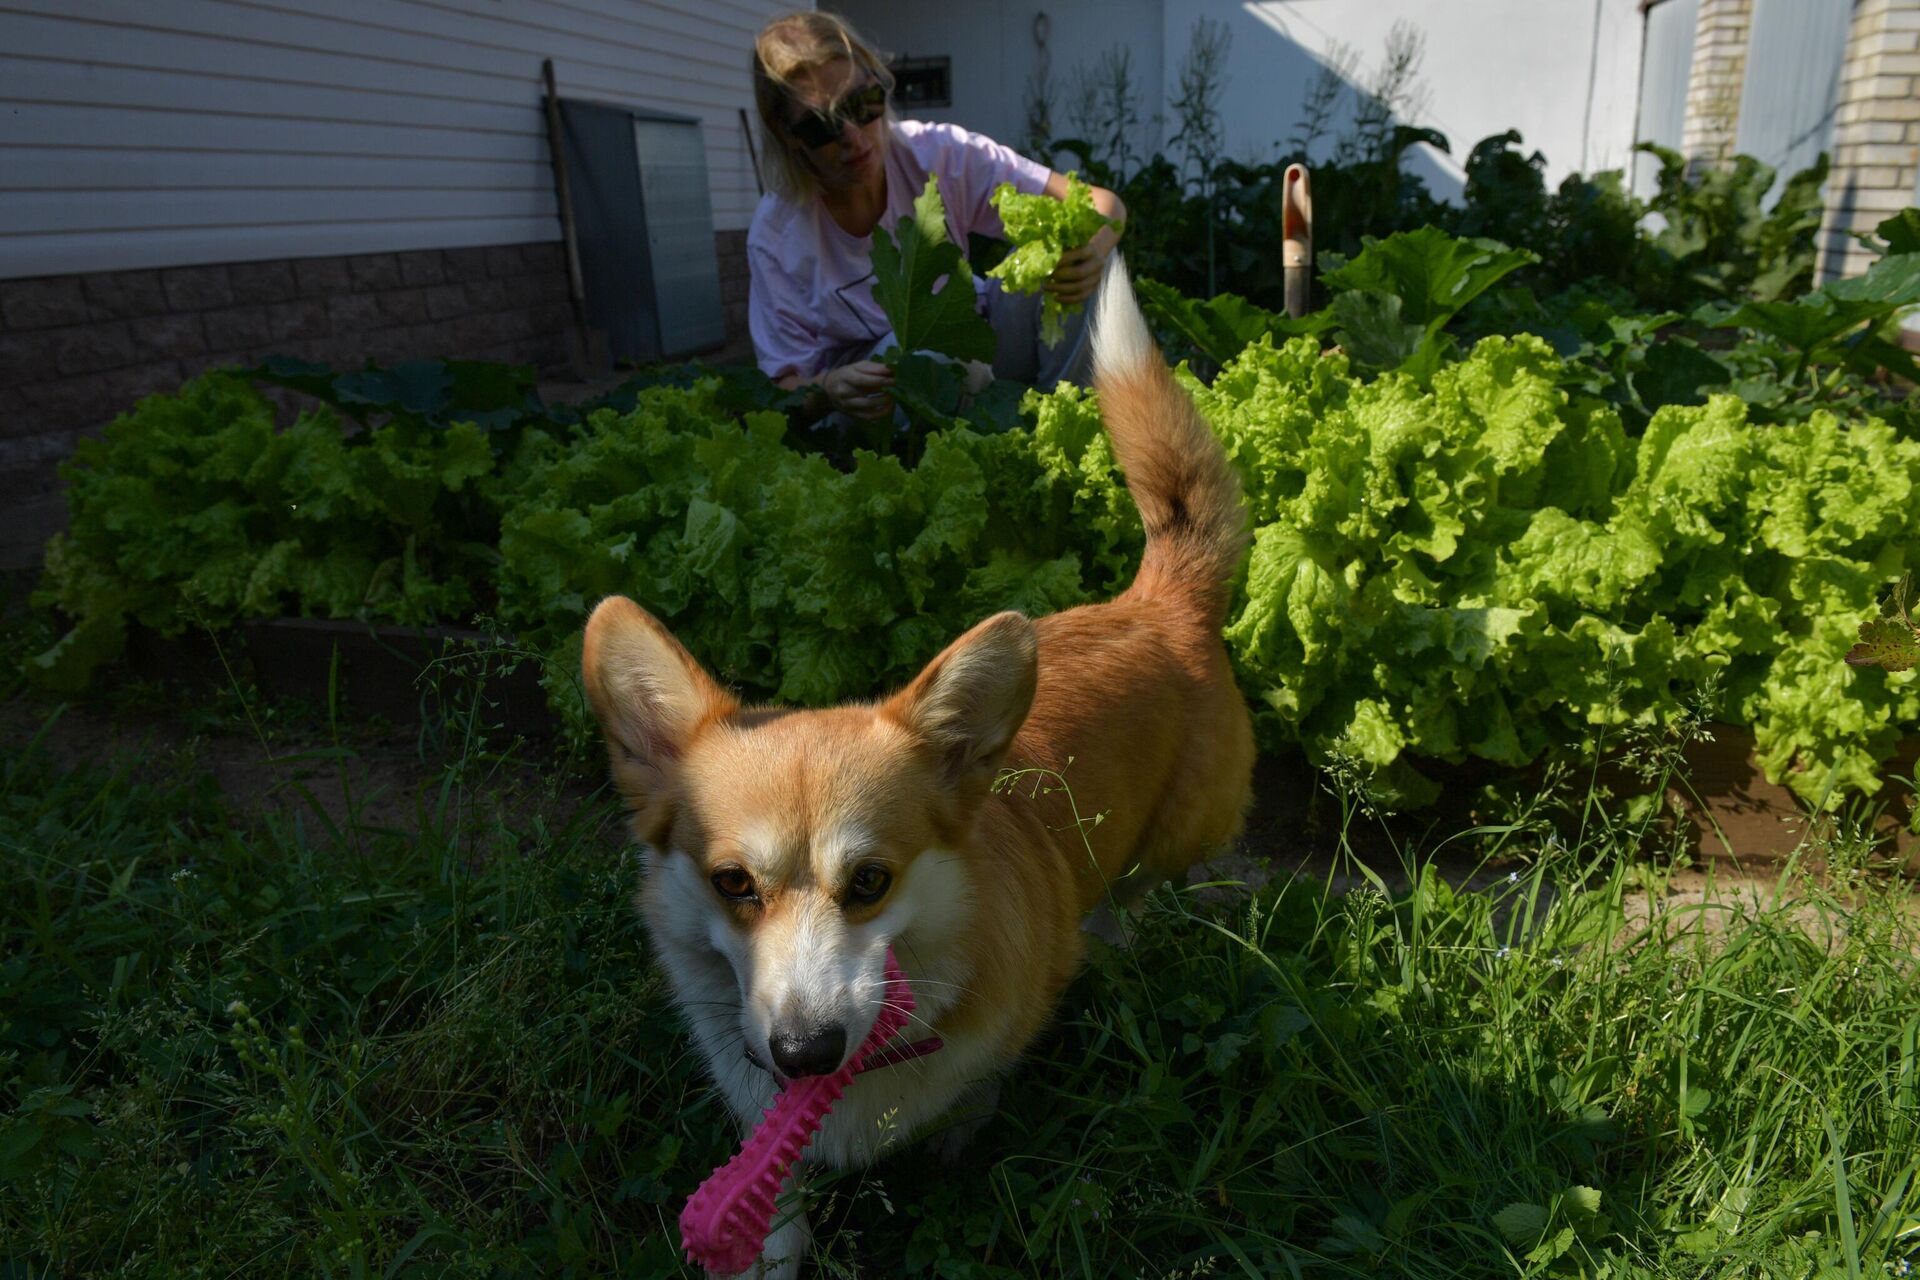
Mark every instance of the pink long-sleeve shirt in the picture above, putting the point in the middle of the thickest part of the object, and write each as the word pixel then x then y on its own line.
pixel 810 306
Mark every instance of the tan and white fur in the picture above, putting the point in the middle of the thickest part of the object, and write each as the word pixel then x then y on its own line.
pixel 786 850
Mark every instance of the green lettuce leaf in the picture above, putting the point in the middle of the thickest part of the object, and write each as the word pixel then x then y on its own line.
pixel 1043 230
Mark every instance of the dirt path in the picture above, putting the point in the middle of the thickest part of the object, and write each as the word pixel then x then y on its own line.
pixel 272 761
pixel 377 776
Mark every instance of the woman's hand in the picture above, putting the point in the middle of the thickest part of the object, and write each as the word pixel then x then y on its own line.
pixel 863 389
pixel 1079 272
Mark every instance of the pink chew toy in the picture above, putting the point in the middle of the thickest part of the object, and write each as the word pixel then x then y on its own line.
pixel 724 1226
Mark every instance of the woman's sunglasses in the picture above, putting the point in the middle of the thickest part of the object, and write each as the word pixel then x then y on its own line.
pixel 822 127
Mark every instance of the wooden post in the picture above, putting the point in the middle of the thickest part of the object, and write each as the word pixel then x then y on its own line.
pixel 1296 239
pixel 753 152
pixel 586 349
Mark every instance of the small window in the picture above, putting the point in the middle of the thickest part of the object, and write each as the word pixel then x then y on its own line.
pixel 922 82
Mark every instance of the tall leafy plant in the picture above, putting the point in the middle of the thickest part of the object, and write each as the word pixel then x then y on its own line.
pixel 1721 240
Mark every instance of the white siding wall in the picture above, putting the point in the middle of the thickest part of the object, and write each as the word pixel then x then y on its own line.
pixel 1563 72
pixel 140 133
pixel 991 43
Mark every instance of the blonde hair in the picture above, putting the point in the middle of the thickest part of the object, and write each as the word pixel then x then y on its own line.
pixel 790 46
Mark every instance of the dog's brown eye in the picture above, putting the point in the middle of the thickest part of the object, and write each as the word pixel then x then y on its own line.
pixel 733 883
pixel 869 883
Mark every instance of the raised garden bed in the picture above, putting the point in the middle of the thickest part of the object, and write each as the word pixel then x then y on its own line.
pixel 405 674
pixel 401 674
pixel 1731 810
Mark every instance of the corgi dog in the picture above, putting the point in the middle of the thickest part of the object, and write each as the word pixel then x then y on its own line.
pixel 784 851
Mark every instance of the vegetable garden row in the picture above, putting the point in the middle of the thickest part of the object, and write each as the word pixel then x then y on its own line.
pixel 1492 518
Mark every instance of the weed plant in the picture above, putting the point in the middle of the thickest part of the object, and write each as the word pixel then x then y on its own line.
pixel 301 1042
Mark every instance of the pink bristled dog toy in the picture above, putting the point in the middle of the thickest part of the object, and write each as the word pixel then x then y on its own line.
pixel 724 1226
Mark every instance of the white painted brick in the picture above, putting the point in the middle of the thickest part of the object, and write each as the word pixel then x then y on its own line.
pixel 1871 131
pixel 1893 155
pixel 1883 42
pixel 1878 200
pixel 1873 177
pixel 1893 88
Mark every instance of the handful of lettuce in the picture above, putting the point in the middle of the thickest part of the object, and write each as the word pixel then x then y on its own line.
pixel 1042 231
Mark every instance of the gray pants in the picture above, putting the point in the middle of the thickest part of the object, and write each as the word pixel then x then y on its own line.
pixel 1019 353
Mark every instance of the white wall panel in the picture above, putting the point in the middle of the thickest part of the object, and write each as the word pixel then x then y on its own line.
pixel 138 133
pixel 994 55
pixel 1563 72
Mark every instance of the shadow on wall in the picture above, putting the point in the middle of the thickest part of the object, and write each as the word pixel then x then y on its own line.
pixel 1244 86
pixel 1833 251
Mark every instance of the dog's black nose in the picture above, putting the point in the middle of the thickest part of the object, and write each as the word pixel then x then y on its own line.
pixel 816 1053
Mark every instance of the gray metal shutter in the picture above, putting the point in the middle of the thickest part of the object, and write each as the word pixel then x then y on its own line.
pixel 686 269
pixel 645 224
pixel 1665 62
pixel 1794 54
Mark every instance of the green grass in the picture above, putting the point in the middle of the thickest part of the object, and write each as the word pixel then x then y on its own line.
pixel 282 1042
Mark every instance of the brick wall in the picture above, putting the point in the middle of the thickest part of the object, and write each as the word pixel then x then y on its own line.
pixel 1876 132
pixel 77 350
pixel 1713 83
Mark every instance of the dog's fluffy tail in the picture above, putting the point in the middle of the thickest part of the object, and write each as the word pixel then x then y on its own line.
pixel 1188 493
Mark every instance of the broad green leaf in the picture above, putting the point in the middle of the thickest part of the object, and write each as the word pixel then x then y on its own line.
pixel 1552 1247
pixel 1888 287
pixel 91 643
pixel 1221 327
pixel 928 389
pixel 1372 329
pixel 481 387
pixel 416 386
pixel 1901 232
pixel 712 534
pixel 1868 355
pixel 1677 372
pixel 1892 281
pixel 1521 1223
pixel 1804 325
pixel 1889 643
pixel 922 282
pixel 1582 1202
pixel 1432 273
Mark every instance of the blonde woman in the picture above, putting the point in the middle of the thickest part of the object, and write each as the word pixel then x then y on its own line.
pixel 840 166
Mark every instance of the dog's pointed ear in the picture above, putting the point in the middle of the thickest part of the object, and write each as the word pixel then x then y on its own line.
pixel 651 698
pixel 971 700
